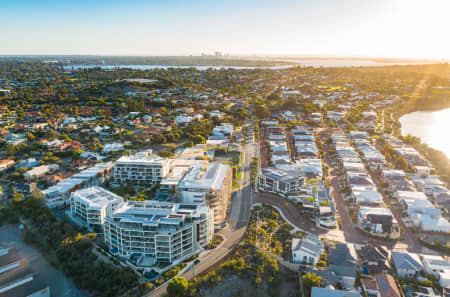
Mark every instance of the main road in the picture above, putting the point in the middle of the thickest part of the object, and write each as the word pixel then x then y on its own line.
pixel 237 221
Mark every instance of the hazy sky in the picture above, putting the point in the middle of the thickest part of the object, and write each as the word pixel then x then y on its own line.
pixel 382 28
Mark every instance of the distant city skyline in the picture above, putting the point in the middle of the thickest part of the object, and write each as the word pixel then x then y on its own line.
pixel 348 28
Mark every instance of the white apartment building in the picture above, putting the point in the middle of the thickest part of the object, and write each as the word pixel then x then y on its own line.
pixel 158 231
pixel 40 171
pixel 57 195
pixel 211 187
pixel 140 169
pixel 92 205
pixel 283 181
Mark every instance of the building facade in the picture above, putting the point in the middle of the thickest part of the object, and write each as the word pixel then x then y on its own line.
pixel 140 169
pixel 92 205
pixel 161 231
pixel 280 181
pixel 211 187
pixel 59 194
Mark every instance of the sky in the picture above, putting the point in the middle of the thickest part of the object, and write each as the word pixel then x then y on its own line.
pixel 353 28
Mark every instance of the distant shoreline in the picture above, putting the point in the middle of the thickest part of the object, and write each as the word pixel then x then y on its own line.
pixel 226 61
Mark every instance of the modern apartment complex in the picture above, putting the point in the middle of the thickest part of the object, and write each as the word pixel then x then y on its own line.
pixel 58 195
pixel 158 231
pixel 282 181
pixel 140 169
pixel 211 187
pixel 92 205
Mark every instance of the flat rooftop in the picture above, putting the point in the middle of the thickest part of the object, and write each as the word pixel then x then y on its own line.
pixel 96 197
pixel 153 213
pixel 211 179
pixel 141 160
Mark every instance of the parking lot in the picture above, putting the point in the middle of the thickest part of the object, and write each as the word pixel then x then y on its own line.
pixel 60 286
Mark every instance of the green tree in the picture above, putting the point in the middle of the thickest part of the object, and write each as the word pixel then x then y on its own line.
pixel 177 287
pixel 22 170
pixel 262 111
pixel 310 280
pixel 198 139
pixel 37 194
pixel 30 136
pixel 266 268
pixel 11 149
pixel 402 163
pixel 189 144
pixel 165 153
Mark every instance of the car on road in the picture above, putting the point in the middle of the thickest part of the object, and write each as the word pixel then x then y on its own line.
pixel 196 262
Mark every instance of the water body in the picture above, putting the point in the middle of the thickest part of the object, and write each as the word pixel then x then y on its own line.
pixel 432 127
pixel 347 63
pixel 152 67
pixel 307 63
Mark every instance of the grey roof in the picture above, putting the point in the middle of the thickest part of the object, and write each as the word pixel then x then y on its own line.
pixel 328 277
pixel 406 261
pixel 374 258
pixel 282 174
pixel 341 261
pixel 310 244
pixel 325 292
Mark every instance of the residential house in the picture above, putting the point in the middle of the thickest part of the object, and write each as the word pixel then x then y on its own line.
pixel 407 265
pixel 342 260
pixel 307 250
pixel 112 147
pixel 373 259
pixel 5 164
pixel 378 221
pixel 430 219
pixel 28 163
pixel 435 265
pixel 381 285
pixel 40 171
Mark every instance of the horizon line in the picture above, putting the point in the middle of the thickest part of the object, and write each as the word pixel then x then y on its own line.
pixel 229 55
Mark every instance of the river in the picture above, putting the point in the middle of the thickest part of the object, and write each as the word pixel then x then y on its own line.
pixel 432 127
pixel 152 67
pixel 305 63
